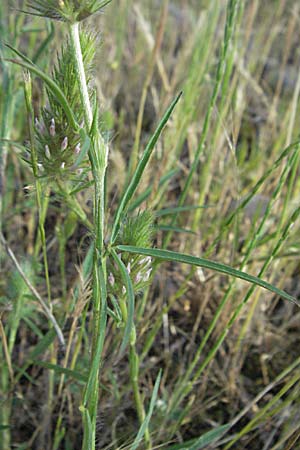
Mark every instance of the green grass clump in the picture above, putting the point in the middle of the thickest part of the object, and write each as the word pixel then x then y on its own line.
pixel 149 225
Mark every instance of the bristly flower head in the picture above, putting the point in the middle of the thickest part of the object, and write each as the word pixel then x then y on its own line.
pixel 66 10
pixel 60 150
pixel 136 231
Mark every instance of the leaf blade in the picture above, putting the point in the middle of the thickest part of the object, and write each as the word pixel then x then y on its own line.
pixel 140 169
pixel 168 255
pixel 61 370
pixel 55 89
pixel 131 302
pixel 203 441
pixel 146 421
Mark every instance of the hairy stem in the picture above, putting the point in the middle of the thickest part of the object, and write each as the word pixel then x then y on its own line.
pixel 84 94
pixel 98 160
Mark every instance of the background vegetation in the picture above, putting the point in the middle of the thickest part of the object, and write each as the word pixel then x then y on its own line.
pixel 223 184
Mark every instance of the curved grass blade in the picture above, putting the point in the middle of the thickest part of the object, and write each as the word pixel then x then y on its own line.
pixel 203 441
pixel 55 89
pixel 17 52
pixel 146 421
pixel 81 186
pixel 174 229
pixel 42 48
pixel 13 144
pixel 140 170
pixel 42 345
pixel 62 370
pixel 130 296
pixel 97 6
pixel 168 255
pixel 177 209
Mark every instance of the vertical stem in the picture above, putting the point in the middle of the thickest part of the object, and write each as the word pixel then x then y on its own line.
pixel 98 160
pixel 7 107
pixel 84 93
pixel 134 377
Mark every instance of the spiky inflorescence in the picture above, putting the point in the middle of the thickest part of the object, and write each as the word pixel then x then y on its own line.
pixel 58 146
pixel 136 231
pixel 66 10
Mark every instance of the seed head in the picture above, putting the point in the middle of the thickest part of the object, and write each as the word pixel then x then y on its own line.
pixel 145 261
pixel 70 11
pixel 111 279
pixel 138 278
pixel 39 126
pixel 47 152
pixel 64 144
pixel 147 274
pixel 77 149
pixel 52 128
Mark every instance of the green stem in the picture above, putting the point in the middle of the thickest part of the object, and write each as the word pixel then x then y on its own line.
pixel 84 93
pixel 74 205
pixel 98 160
pixel 134 378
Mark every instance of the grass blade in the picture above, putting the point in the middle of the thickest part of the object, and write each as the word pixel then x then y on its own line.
pixel 40 348
pixel 168 255
pixel 145 423
pixel 174 229
pixel 177 209
pixel 140 169
pixel 55 89
pixel 203 441
pixel 130 297
pixel 62 370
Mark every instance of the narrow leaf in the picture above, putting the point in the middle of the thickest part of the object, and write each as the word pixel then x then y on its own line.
pixel 82 186
pixel 177 209
pixel 39 349
pixel 203 441
pixel 174 229
pixel 55 89
pixel 168 255
pixel 146 421
pixel 130 298
pixel 62 370
pixel 140 170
